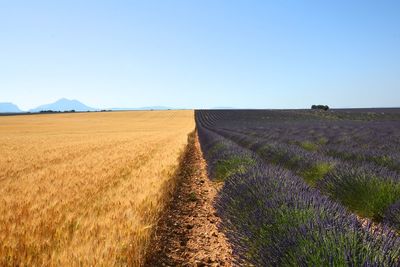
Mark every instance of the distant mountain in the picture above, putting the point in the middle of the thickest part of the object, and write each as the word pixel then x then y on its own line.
pixel 64 105
pixel 222 108
pixel 144 108
pixel 9 108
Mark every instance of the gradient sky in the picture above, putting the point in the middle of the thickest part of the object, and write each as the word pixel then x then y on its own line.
pixel 201 54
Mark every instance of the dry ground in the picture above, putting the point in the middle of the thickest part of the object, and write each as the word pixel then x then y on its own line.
pixel 188 234
pixel 86 188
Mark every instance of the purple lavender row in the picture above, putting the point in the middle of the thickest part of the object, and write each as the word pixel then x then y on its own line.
pixel 369 190
pixel 377 142
pixel 274 219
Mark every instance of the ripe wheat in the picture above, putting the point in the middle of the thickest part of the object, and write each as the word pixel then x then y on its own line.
pixel 85 188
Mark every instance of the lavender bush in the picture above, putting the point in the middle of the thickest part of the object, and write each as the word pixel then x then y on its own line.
pixel 273 216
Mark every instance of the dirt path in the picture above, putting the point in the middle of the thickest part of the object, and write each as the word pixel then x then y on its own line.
pixel 188 234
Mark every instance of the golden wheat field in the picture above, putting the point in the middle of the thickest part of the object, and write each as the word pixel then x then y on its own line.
pixel 86 188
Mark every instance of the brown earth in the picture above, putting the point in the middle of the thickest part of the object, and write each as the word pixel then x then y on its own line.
pixel 187 234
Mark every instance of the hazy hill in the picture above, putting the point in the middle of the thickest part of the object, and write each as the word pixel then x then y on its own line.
pixel 64 105
pixel 9 108
pixel 222 108
pixel 144 108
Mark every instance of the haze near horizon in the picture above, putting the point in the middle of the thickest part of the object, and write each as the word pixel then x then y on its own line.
pixel 263 54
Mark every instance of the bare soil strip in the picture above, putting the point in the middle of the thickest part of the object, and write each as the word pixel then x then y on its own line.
pixel 187 234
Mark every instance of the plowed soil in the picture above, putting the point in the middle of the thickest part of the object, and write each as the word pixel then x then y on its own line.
pixel 188 233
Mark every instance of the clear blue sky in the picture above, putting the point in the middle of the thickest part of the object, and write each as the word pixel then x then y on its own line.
pixel 201 54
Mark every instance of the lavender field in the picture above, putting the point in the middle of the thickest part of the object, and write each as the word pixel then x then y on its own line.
pixel 307 188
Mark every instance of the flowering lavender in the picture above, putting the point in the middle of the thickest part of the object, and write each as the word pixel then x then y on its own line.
pixel 271 215
pixel 367 183
pixel 392 215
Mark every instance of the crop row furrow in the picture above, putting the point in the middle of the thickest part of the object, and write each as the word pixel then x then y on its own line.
pixel 274 218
